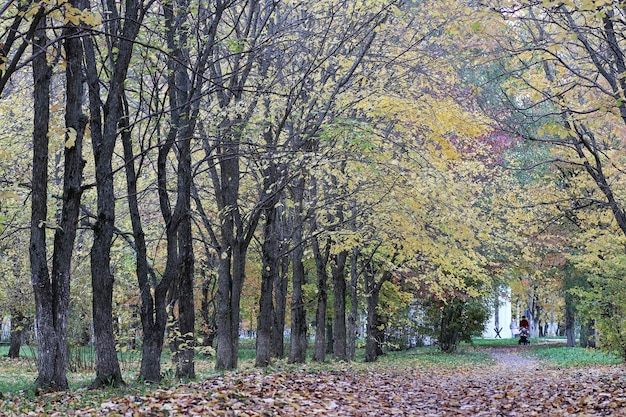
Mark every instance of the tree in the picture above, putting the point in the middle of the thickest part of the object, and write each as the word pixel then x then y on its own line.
pixel 153 297
pixel 52 291
pixel 561 87
pixel 290 120
pixel 321 253
pixel 230 74
pixel 184 104
pixel 105 116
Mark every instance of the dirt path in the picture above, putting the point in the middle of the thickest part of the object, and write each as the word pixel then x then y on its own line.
pixel 513 357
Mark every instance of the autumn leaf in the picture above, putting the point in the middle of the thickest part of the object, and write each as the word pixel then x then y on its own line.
pixel 70 140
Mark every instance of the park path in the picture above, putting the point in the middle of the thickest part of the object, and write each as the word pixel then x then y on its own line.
pixel 519 384
pixel 513 357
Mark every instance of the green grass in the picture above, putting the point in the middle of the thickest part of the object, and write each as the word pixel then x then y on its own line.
pixel 247 350
pixel 572 357
pixel 16 375
pixel 553 353
pixel 478 342
pixel 432 356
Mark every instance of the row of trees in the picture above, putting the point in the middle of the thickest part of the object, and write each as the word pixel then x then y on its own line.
pixel 354 150
pixel 320 134
pixel 559 69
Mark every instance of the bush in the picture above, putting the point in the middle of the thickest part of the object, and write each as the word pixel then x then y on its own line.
pixel 602 302
pixel 455 321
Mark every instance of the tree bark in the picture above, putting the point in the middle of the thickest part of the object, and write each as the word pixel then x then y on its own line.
pixel 280 308
pixel 65 233
pixel 269 274
pixel 329 335
pixel 207 310
pixel 354 307
pixel 208 275
pixel 298 344
pixel 321 260
pixel 52 293
pixel 105 123
pixel 47 334
pixel 235 234
pixel 373 340
pixel 18 321
pixel 185 367
pixel 231 272
pixel 225 357
pixel 152 311
pixel 587 334
pixel 270 252
pixel 570 321
pixel 338 268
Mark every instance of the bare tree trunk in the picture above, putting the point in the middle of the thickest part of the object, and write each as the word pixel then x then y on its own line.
pixel 371 341
pixel 207 310
pixel 280 308
pixel 229 290
pixel 321 260
pixel 47 334
pixel 354 307
pixel 339 305
pixel 107 365
pixel 152 311
pixel 106 117
pixel 496 310
pixel 269 274
pixel 225 357
pixel 329 335
pixel 231 271
pixel 185 367
pixel 587 334
pixel 52 294
pixel 570 321
pixel 18 321
pixel 239 267
pixel 208 274
pixel 184 104
pixel 374 333
pixel 297 349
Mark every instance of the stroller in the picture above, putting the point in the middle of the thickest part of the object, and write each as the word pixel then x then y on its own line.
pixel 524 336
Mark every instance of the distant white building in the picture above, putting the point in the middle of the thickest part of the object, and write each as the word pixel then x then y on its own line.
pixel 5 333
pixel 500 318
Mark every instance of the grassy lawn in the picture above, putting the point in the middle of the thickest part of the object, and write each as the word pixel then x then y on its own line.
pixel 554 353
pixel 431 356
pixel 572 357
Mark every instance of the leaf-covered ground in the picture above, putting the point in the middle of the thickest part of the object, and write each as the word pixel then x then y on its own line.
pixel 513 386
